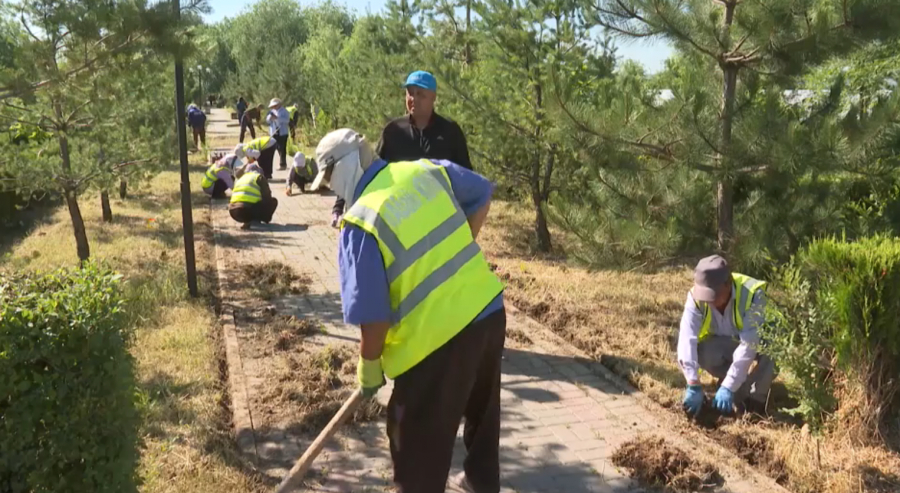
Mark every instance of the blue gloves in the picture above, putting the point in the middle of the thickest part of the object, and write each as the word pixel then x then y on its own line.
pixel 723 401
pixel 693 399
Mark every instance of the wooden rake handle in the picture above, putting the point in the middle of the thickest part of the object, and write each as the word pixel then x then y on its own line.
pixel 305 462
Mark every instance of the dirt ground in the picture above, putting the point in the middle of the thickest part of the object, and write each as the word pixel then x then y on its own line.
pixel 629 320
pixel 656 463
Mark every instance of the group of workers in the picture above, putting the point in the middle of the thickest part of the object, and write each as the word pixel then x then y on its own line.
pixel 430 309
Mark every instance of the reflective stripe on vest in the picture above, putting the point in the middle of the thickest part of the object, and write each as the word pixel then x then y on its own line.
pixel 260 144
pixel 438 278
pixel 744 287
pixel 246 189
pixel 210 178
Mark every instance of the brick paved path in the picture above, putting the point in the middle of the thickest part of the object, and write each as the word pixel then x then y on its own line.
pixel 562 418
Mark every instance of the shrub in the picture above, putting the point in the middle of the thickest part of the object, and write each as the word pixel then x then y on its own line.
pixel 68 420
pixel 836 329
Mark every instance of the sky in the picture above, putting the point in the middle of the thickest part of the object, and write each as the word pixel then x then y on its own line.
pixel 651 55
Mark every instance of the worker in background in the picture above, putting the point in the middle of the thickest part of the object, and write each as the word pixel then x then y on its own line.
pixel 279 123
pixel 266 147
pixel 251 199
pixel 421 133
pixel 240 107
pixel 430 309
pixel 294 115
pixel 250 116
pixel 197 121
pixel 719 334
pixel 303 171
pixel 217 181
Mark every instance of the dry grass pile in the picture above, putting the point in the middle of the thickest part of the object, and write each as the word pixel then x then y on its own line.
pixel 655 463
pixel 311 386
pixel 273 279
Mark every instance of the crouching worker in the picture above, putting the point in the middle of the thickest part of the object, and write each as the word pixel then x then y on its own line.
pixel 303 171
pixel 218 181
pixel 251 199
pixel 719 334
pixel 430 309
pixel 266 146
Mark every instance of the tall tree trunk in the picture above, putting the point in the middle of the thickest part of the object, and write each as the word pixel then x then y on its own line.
pixel 81 240
pixel 104 204
pixel 123 189
pixel 725 185
pixel 541 232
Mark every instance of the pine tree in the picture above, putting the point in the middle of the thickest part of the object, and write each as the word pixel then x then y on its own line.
pixel 727 121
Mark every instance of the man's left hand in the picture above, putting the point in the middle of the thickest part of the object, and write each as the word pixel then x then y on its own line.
pixel 723 401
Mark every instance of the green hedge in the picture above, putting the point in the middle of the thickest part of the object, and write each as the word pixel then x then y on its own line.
pixel 68 419
pixel 835 327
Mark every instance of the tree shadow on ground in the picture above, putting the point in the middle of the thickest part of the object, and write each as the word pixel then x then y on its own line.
pixel 164 404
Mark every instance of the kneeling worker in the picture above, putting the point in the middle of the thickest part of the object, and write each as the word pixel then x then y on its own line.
pixel 303 171
pixel 430 309
pixel 218 181
pixel 251 199
pixel 719 333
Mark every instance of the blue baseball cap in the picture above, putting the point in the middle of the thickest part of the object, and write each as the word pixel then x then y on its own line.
pixel 421 79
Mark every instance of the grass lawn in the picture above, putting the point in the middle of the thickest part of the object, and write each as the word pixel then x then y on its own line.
pixel 629 320
pixel 187 441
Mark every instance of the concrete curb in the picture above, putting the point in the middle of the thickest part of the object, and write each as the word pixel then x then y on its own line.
pixel 241 419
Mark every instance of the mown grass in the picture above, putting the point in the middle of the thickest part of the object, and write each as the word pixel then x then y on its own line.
pixel 629 320
pixel 187 443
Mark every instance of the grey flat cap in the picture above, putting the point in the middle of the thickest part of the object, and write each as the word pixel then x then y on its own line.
pixel 711 273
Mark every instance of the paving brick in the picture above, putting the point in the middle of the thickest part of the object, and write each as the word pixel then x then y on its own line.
pixel 561 418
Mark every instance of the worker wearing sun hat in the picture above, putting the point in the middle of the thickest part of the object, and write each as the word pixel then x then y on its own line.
pixel 251 198
pixel 420 133
pixel 279 128
pixel 217 181
pixel 266 147
pixel 719 334
pixel 430 309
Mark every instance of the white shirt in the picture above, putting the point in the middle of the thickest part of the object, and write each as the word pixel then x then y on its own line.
pixel 279 122
pixel 722 325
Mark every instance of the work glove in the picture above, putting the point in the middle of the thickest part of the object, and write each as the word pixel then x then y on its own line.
pixel 723 401
pixel 693 399
pixel 370 375
pixel 335 220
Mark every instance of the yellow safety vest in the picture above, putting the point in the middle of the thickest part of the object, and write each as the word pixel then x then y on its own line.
pixel 744 287
pixel 260 144
pixel 439 280
pixel 210 178
pixel 246 189
pixel 292 110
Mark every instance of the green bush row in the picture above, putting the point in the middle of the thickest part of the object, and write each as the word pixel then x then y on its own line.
pixel 68 419
pixel 835 328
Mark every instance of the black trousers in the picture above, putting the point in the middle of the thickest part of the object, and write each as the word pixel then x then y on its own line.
pixel 282 150
pixel 460 379
pixel 218 191
pixel 247 123
pixel 295 179
pixel 266 156
pixel 261 211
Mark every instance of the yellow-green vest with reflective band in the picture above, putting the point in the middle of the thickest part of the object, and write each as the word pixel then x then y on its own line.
pixel 744 288
pixel 246 189
pixel 439 280
pixel 259 144
pixel 292 110
pixel 210 178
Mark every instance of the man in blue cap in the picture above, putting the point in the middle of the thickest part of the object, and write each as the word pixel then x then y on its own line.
pixel 420 134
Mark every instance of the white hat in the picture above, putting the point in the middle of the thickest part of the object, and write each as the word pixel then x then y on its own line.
pixel 252 153
pixel 331 149
pixel 239 150
pixel 274 102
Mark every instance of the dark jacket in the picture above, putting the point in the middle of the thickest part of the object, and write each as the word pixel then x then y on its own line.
pixel 441 139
